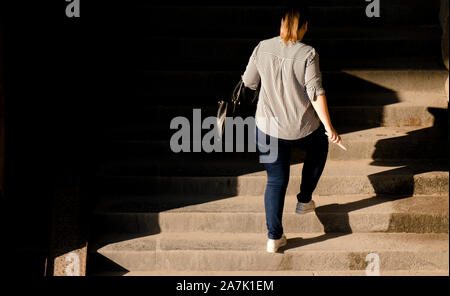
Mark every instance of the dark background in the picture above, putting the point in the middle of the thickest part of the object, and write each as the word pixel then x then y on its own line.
pixel 65 79
pixel 58 72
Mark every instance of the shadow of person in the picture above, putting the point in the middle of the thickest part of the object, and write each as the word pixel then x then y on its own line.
pixel 335 219
pixel 420 151
pixel 297 242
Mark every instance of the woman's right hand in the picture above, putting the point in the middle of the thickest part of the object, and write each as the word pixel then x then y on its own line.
pixel 333 136
pixel 320 105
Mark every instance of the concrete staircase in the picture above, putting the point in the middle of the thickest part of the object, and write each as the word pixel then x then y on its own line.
pixel 165 213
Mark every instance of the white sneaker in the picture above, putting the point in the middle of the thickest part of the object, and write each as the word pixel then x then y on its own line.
pixel 303 208
pixel 274 244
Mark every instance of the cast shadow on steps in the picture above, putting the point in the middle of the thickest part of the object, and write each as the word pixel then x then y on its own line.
pixel 335 218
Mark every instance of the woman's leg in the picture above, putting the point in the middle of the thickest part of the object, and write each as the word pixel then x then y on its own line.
pixel 277 181
pixel 316 147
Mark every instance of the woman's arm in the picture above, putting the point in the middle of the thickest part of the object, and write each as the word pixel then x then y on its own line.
pixel 321 107
pixel 316 94
pixel 251 76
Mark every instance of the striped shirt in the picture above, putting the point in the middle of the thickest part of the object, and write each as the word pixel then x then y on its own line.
pixel 290 78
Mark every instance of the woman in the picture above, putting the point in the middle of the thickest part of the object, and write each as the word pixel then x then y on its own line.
pixel 293 101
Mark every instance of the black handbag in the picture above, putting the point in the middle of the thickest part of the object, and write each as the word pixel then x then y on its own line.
pixel 242 100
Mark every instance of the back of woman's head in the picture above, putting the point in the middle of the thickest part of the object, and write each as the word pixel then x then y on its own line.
pixel 294 17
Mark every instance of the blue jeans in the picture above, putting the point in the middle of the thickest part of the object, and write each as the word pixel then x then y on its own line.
pixel 278 172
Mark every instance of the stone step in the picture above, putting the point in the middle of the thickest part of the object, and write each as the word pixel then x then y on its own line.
pixel 213 17
pixel 328 32
pixel 258 3
pixel 327 63
pixel 304 252
pixel 137 150
pixel 219 83
pixel 139 116
pixel 272 273
pixel 245 214
pixel 406 177
pixel 336 98
pixel 328 48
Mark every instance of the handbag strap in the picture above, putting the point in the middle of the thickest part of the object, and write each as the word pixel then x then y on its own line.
pixel 235 97
pixel 236 94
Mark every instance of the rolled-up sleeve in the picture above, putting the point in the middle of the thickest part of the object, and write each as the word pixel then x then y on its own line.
pixel 313 76
pixel 251 77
